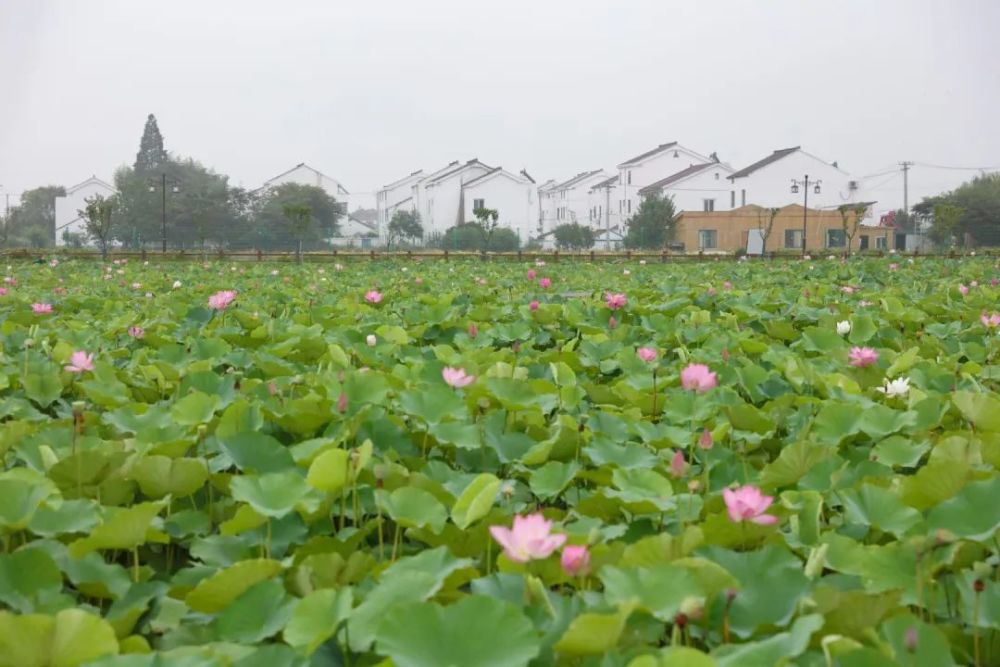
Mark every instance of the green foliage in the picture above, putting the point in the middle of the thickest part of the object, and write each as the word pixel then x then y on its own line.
pixel 204 496
pixel 573 237
pixel 472 236
pixel 652 225
pixel 405 225
pixel 291 213
pixel 151 156
pixel 98 219
pixel 972 210
pixel 32 222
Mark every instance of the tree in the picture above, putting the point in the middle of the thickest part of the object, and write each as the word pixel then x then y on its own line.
pixel 652 226
pixel 151 156
pixel 274 229
pixel 573 236
pixel 98 219
pixel 404 225
pixel 300 222
pixel 972 210
pixel 488 220
pixel 33 221
pixel 850 220
pixel 946 219
pixel 765 224
pixel 472 236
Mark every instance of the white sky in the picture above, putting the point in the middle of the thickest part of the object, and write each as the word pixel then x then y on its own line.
pixel 367 91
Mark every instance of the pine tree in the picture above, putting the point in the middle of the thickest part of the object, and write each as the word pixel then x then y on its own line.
pixel 151 155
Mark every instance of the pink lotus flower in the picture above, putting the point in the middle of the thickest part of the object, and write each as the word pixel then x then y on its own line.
pixel 615 301
pixel 80 362
pixel 41 308
pixel 342 403
pixel 963 290
pixel 677 464
pixel 373 296
pixel 418 280
pixel 994 282
pixel 545 283
pixel 747 503
pixel 457 377
pixel 710 291
pixel 647 354
pixel 473 330
pixel 697 377
pixel 894 267
pixel 612 322
pixel 847 289
pixel 575 560
pixel 705 441
pixel 136 332
pixel 3 291
pixel 727 285
pixel 990 321
pixel 531 274
pixel 860 357
pixel 221 300
pixel 531 538
pixel 533 305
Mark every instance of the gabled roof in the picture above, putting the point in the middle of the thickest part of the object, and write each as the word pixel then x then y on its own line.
pixel 89 181
pixel 606 183
pixel 496 171
pixel 340 186
pixel 640 158
pixel 583 175
pixel 524 172
pixel 418 172
pixel 471 163
pixel 759 164
pixel 680 176
pixel 547 185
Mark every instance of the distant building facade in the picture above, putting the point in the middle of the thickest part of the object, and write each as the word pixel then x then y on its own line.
pixel 70 225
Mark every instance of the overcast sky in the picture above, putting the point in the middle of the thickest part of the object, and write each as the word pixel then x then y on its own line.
pixel 367 91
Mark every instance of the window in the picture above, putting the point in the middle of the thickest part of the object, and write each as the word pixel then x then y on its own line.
pixel 478 204
pixel 743 197
pixel 793 238
pixel 707 239
pixel 716 175
pixel 881 243
pixel 708 204
pixel 864 242
pixel 630 207
pixel 836 238
pixel 732 199
pixel 630 177
pixel 600 212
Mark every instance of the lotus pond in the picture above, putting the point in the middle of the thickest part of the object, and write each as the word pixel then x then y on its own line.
pixel 497 465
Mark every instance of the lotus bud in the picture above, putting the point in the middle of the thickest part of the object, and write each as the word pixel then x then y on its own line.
pixel 693 607
pixel 910 639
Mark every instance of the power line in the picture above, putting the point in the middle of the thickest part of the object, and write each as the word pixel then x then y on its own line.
pixel 943 166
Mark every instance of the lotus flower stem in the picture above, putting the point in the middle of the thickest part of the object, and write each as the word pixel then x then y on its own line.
pixel 975 622
pixel 135 564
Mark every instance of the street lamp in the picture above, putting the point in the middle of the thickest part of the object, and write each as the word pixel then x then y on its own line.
pixel 804 183
pixel 174 188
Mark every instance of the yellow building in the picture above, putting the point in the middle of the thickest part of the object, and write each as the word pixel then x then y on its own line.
pixel 731 231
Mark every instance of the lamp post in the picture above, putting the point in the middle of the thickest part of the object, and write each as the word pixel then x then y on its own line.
pixel 804 184
pixel 174 188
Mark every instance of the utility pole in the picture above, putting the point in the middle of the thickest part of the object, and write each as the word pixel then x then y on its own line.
pixel 905 164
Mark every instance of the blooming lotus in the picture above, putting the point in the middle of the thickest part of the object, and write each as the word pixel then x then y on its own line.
pixel 860 357
pixel 990 321
pixel 615 301
pixel 473 330
pixel 457 377
pixel 3 291
pixel 373 296
pixel 677 464
pixel 531 274
pixel 371 340
pixel 176 285
pixel 897 387
pixel 705 441
pixel 136 332
pixel 545 283
pixel 747 503
pixel 963 290
pixel 575 560
pixel 843 327
pixel 533 305
pixel 647 354
pixel 41 308
pixel 530 538
pixel 697 377
pixel 221 300
pixel 80 362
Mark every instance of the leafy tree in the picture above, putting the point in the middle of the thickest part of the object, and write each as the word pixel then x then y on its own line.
pixel 405 225
pixel 504 239
pixel 151 156
pixel 472 236
pixel 765 223
pixel 488 220
pixel 98 218
pixel 972 210
pixel 300 222
pixel 946 220
pixel 850 220
pixel 274 229
pixel 33 221
pixel 573 236
pixel 652 226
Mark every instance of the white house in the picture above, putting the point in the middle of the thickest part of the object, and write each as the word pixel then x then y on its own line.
pixel 442 201
pixel 768 182
pixel 303 174
pixel 602 200
pixel 547 205
pixel 396 196
pixel 649 167
pixel 511 195
pixel 572 199
pixel 698 187
pixel 68 220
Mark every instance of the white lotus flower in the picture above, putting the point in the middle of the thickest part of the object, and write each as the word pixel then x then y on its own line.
pixel 897 387
pixel 843 327
pixel 177 284
pixel 371 340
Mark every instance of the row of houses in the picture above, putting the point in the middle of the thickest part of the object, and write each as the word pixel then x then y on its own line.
pixel 605 200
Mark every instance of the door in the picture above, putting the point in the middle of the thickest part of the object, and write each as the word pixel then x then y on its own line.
pixel 900 242
pixel 755 242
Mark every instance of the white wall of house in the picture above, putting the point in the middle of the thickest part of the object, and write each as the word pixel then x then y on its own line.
pixel 443 196
pixel 706 190
pixel 603 201
pixel 68 218
pixel 512 195
pixel 573 200
pixel 770 185
pixel 395 196
pixel 547 207
pixel 639 172
pixel 418 194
